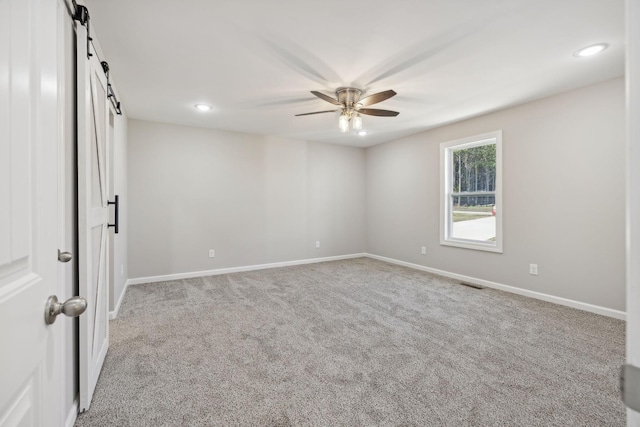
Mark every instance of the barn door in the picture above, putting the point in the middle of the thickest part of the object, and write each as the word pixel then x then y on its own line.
pixel 92 215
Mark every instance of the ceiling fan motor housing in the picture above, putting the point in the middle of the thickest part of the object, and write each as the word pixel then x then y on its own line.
pixel 348 96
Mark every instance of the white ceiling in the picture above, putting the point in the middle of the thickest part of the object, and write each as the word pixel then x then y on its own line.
pixel 255 61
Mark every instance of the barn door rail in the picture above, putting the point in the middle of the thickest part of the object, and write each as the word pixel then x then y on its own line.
pixel 110 93
pixel 81 14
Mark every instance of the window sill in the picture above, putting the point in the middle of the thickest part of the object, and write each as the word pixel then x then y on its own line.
pixel 473 244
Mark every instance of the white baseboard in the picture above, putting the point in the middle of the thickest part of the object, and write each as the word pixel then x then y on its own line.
pixel 512 289
pixel 178 276
pixel 72 415
pixel 532 294
pixel 113 314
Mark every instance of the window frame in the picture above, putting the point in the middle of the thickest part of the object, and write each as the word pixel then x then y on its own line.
pixel 446 191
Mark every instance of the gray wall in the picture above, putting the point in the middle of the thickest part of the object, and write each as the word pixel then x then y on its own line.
pixel 253 199
pixel 258 200
pixel 563 195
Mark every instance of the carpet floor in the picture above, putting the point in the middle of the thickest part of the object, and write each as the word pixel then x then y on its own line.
pixel 353 343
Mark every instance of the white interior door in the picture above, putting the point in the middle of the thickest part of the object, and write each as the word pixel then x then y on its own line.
pixel 92 216
pixel 30 351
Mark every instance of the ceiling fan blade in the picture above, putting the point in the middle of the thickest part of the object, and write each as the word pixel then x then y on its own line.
pixel 316 112
pixel 377 112
pixel 377 97
pixel 325 97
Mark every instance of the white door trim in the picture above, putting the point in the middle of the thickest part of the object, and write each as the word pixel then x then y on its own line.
pixel 633 191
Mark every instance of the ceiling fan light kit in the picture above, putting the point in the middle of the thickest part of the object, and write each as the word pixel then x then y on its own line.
pixel 349 117
pixel 351 106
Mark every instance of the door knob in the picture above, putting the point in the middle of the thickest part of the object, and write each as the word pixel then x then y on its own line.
pixel 73 307
pixel 64 256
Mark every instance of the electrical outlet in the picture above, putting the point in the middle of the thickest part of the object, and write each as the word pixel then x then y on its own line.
pixel 533 269
pixel 317 243
pixel 212 253
pixel 121 270
pixel 423 250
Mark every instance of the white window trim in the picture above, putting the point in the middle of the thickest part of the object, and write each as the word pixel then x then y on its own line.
pixel 445 205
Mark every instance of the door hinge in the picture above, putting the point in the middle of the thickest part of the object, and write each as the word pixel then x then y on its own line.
pixel 630 386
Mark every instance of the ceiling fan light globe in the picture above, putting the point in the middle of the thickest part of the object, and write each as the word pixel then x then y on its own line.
pixel 357 123
pixel 343 123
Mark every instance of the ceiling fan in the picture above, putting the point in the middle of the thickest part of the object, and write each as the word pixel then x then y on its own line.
pixel 351 106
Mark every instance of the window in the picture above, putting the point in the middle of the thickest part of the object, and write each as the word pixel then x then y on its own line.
pixel 471 199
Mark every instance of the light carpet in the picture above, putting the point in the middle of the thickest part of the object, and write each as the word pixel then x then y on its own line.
pixel 353 343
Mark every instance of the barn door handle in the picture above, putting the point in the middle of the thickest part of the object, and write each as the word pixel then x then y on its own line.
pixel 115 225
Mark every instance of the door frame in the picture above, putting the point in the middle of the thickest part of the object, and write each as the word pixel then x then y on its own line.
pixel 632 17
pixel 67 200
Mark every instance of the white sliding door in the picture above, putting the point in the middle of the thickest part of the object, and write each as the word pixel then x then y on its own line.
pixel 93 239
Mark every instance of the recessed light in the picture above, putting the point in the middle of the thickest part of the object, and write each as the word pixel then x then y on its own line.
pixel 203 107
pixel 591 50
pixel 362 132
